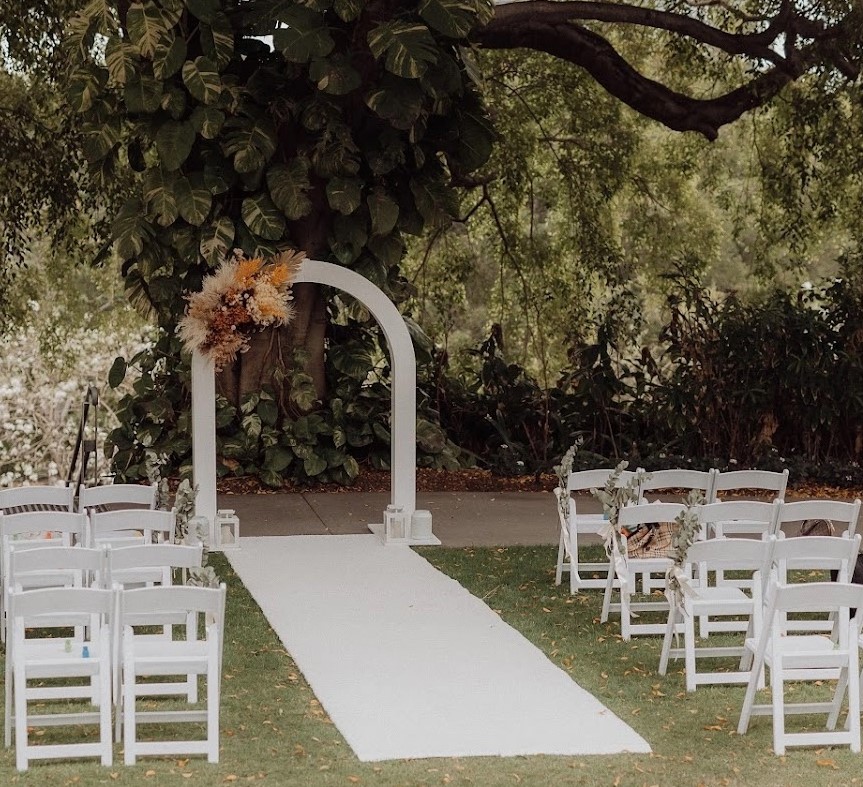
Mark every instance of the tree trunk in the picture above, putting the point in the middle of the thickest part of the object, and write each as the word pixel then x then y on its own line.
pixel 274 348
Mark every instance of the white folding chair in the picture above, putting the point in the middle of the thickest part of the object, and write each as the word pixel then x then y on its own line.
pixel 685 479
pixel 624 569
pixel 20 499
pixel 146 657
pixel 808 554
pixel 842 515
pixel 33 530
pixel 734 518
pixel 137 566
pixel 116 496
pixel 708 601
pixel 47 659
pixel 805 656
pixel 744 483
pixel 673 480
pixel 131 527
pixel 54 567
pixel 574 524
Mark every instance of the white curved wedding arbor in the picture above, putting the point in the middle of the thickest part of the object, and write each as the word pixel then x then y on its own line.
pixel 403 406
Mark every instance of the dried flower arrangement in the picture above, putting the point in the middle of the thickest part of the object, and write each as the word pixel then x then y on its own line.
pixel 244 296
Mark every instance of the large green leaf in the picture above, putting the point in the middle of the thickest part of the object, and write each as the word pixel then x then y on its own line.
pixel 100 139
pixel 174 141
pixel 475 140
pixel 201 78
pixel 117 373
pixel 305 36
pixel 193 199
pixel 146 25
pixel 384 211
pixel 453 18
pixel 314 465
pixel 143 94
pixel 169 56
pixel 344 194
pixel 335 75
pixel 159 194
pixel 205 10
pixel 174 101
pixel 120 60
pixel 130 230
pixel 277 458
pixel 262 217
pixel 217 40
pixel 348 10
pixel 218 174
pixel 216 240
pixel 251 141
pixel 434 201
pixel 398 101
pixel 84 87
pixel 172 10
pixel 409 47
pixel 207 121
pixel 348 238
pixel 288 184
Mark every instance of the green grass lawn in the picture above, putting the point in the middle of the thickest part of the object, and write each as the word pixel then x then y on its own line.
pixel 274 732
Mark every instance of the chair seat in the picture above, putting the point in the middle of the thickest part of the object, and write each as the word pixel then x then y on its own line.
pixel 156 656
pixel 48 658
pixel 590 523
pixel 805 651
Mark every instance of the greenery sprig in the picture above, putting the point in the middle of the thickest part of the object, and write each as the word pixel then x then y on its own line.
pixel 676 582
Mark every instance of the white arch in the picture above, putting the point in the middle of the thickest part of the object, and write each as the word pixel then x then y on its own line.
pixel 402 408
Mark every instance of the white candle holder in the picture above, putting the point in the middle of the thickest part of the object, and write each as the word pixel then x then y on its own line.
pixel 227 529
pixel 396 527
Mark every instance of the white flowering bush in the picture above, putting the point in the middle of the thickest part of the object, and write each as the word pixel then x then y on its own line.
pixel 45 368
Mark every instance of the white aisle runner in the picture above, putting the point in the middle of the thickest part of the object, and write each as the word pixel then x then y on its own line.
pixel 408 664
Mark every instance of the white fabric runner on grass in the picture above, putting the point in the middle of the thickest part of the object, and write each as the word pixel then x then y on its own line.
pixel 408 664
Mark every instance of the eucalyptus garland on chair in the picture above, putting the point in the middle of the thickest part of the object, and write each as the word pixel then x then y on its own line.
pixel 677 585
pixel 615 496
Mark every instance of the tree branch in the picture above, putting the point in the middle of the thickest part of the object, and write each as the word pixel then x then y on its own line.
pixel 540 26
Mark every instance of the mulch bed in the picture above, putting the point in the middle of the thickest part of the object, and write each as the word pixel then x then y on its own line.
pixel 429 480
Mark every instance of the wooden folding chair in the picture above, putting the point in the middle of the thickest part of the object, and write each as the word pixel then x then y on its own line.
pixel 795 656
pixel 146 657
pixel 46 659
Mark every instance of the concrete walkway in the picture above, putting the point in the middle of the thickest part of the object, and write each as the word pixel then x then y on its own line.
pixel 459 518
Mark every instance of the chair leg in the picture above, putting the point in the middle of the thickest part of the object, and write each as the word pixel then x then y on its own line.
pixel 212 713
pixel 129 729
pixel 838 696
pixel 105 710
pixel 777 690
pixel 666 642
pixel 606 599
pixel 558 575
pixel 20 681
pixel 625 623
pixel 7 696
pixel 689 651
pixel 751 687
pixel 854 698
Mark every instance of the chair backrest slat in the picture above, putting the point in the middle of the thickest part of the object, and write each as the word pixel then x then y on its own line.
pixel 107 525
pixel 648 513
pixel 117 496
pixel 754 480
pixel 37 498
